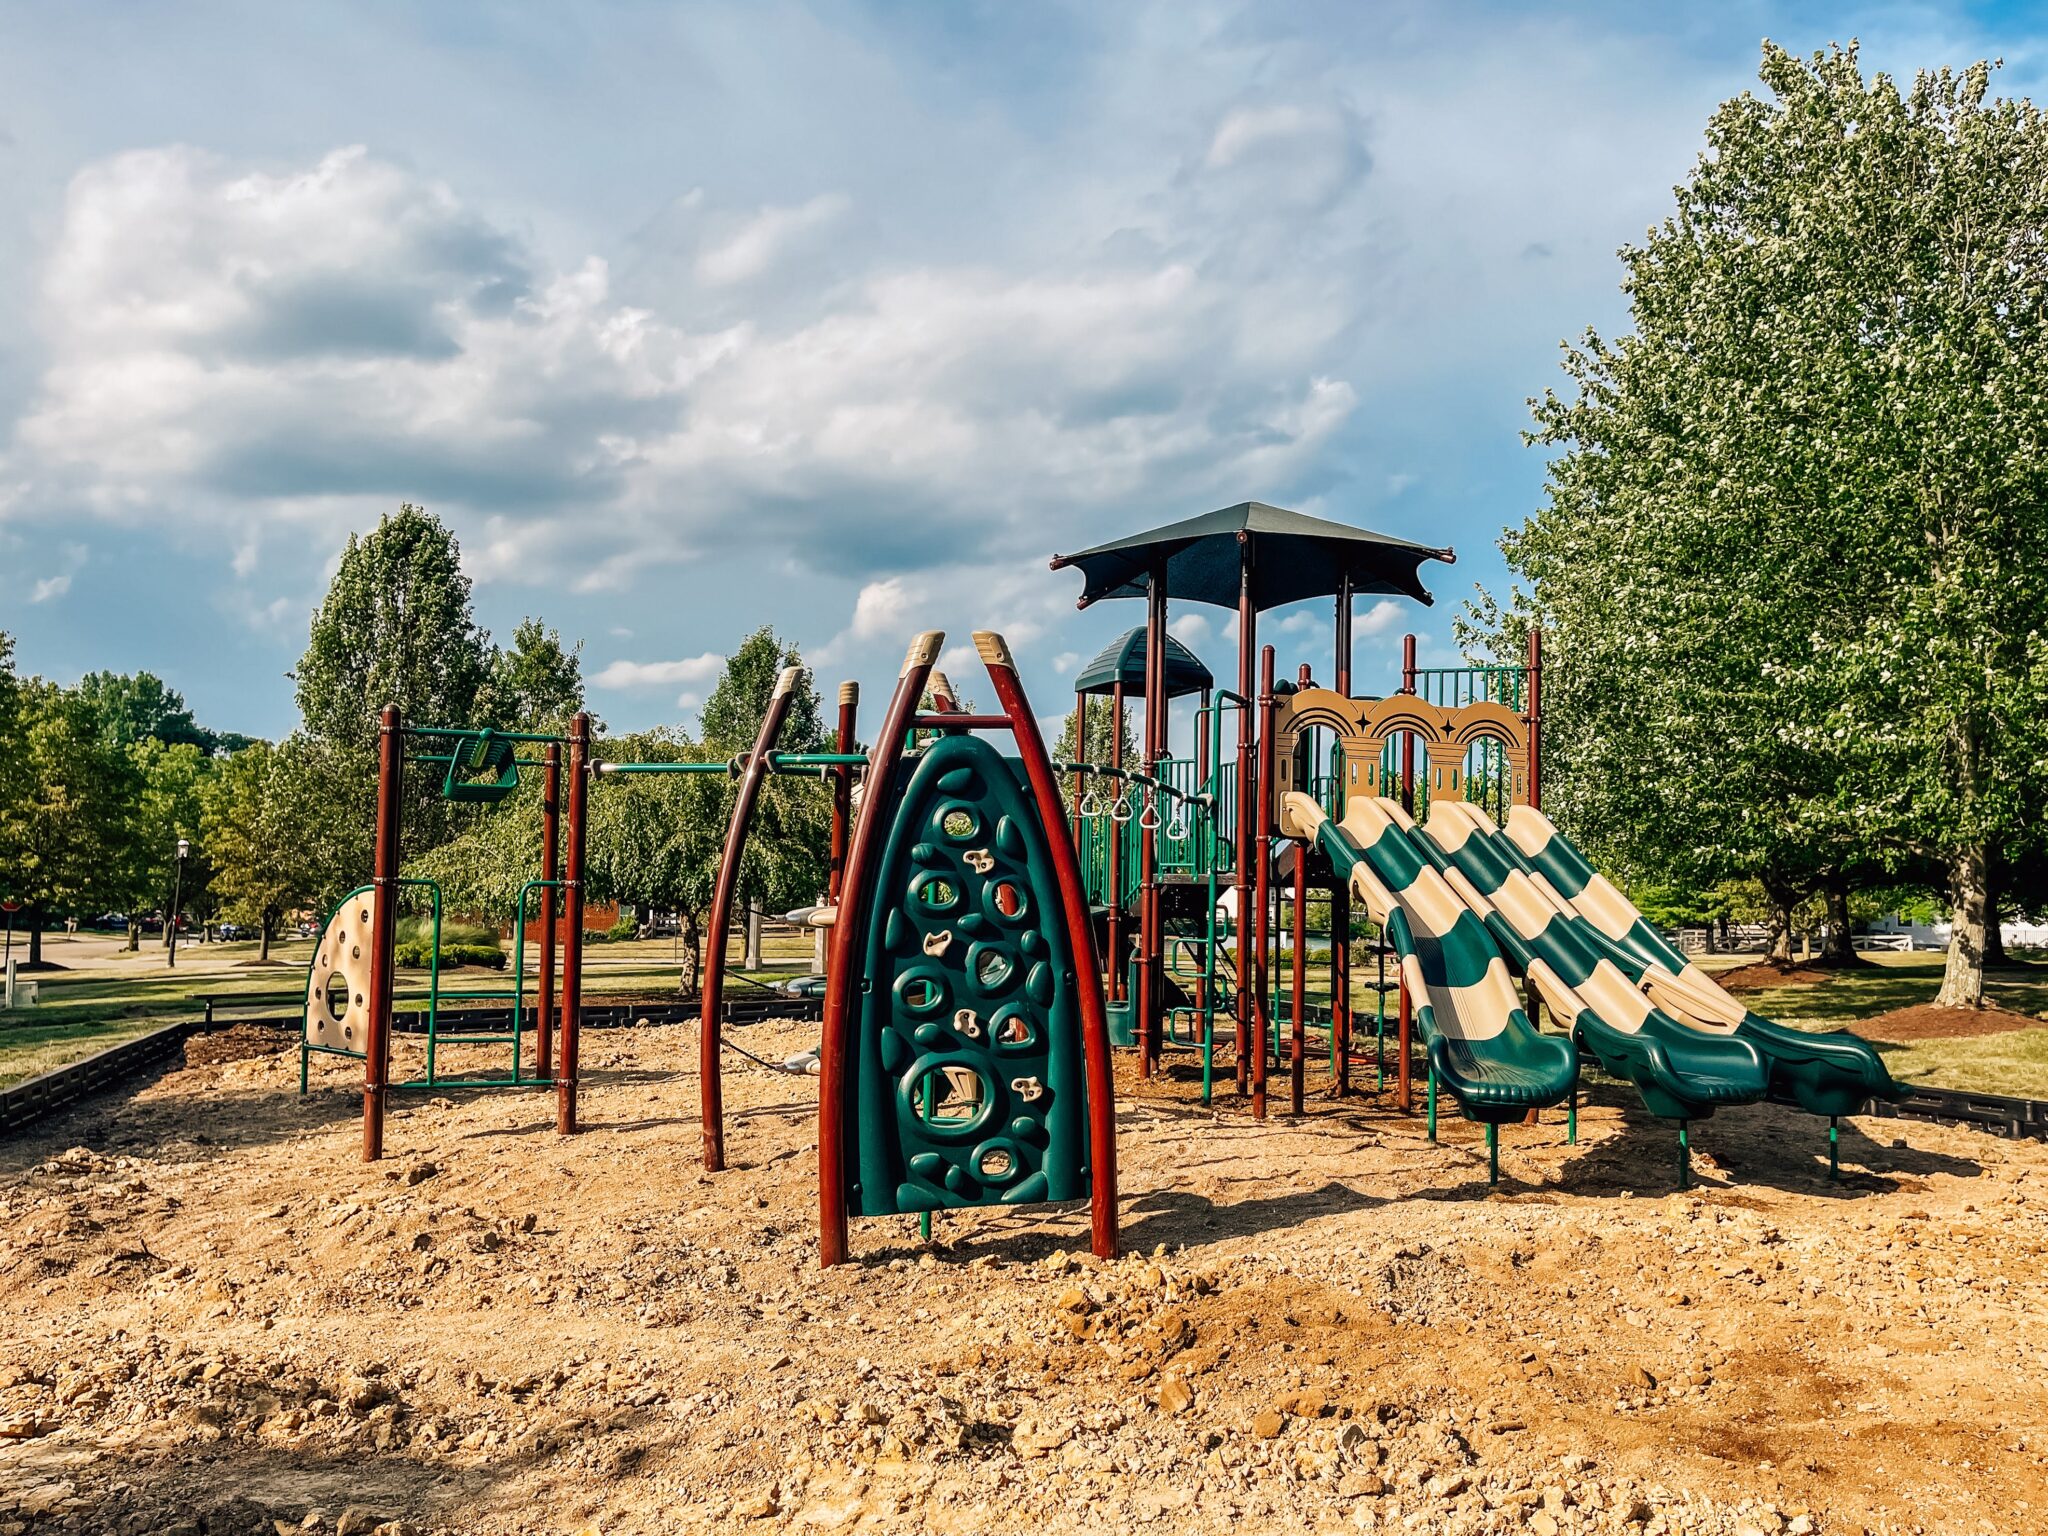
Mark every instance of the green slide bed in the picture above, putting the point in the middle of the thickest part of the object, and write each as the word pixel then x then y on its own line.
pixel 1482 1048
pixel 1682 1073
pixel 1830 1074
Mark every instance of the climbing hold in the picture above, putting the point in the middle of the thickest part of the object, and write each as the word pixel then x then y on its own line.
pixel 1029 1089
pixel 968 1025
pixel 980 860
pixel 936 943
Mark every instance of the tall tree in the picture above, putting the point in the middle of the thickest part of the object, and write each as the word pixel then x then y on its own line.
pixel 70 834
pixel 536 685
pixel 169 779
pixel 138 706
pixel 396 628
pixel 1789 565
pixel 260 812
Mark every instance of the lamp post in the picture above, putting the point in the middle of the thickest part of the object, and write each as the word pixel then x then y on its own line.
pixel 177 891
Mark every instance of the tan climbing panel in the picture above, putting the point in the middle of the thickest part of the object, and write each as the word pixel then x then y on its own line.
pixel 338 983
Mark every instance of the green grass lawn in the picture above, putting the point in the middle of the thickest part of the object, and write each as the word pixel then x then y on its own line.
pixel 2014 1063
pixel 94 1006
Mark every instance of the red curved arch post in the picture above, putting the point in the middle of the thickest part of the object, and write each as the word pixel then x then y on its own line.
pixel 849 924
pixel 718 925
pixel 1002 672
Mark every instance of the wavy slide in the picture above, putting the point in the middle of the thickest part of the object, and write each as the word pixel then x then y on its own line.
pixel 1482 1047
pixel 1830 1074
pixel 1681 1073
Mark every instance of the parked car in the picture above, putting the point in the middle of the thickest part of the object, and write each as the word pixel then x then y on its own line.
pixel 230 932
pixel 114 922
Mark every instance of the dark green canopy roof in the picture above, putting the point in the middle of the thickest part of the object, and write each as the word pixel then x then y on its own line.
pixel 1292 557
pixel 1123 661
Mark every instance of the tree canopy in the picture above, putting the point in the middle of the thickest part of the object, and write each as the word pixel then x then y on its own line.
pixel 1797 625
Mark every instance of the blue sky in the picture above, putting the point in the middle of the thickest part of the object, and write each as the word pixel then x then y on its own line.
pixel 838 317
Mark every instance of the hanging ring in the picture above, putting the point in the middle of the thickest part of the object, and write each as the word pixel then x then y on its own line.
pixel 1150 819
pixel 1120 807
pixel 1090 806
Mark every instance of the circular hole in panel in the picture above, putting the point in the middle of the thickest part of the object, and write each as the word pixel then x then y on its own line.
pixel 347 1033
pixel 958 823
pixel 995 1162
pixel 921 992
pixel 364 915
pixel 334 994
pixel 991 967
pixel 949 1097
pixel 355 951
pixel 935 892
pixel 1006 900
pixel 1013 1028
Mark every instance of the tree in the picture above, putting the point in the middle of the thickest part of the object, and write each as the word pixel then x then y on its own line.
pixel 69 833
pixel 133 707
pixel 536 685
pixel 170 780
pixel 786 852
pixel 396 628
pixel 259 814
pixel 1788 569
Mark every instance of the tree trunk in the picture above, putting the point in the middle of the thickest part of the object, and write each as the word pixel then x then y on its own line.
pixel 1781 926
pixel 263 930
pixel 688 979
pixel 1840 948
pixel 1962 981
pixel 1994 940
pixel 134 936
pixel 35 939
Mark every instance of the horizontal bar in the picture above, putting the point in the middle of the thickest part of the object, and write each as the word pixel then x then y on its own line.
pixel 782 760
pixel 611 768
pixel 459 1037
pixel 477 997
pixel 960 722
pixel 470 733
pixel 475 1082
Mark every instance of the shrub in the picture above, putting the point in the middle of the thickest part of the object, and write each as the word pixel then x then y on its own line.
pixel 418 954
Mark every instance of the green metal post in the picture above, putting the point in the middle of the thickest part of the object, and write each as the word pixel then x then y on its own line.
pixel 1432 1103
pixel 1834 1148
pixel 1492 1153
pixel 1684 1157
pixel 1571 1118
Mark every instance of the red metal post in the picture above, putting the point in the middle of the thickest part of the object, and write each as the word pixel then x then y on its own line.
pixel 1002 672
pixel 550 871
pixel 1297 1087
pixel 842 788
pixel 842 987
pixel 1080 756
pixel 1340 893
pixel 1262 860
pixel 383 929
pixel 1151 941
pixel 1533 715
pixel 1247 792
pixel 1115 855
pixel 572 922
pixel 718 924
pixel 1405 1024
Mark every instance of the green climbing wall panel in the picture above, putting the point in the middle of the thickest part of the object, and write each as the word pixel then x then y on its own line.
pixel 967 1080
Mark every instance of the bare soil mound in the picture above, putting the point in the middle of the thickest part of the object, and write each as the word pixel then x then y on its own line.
pixel 1924 1021
pixel 1765 973
pixel 215 1317
pixel 238 1042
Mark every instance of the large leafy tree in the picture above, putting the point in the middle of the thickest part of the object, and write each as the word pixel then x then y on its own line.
pixel 536 685
pixel 396 628
pixel 68 831
pixel 260 815
pixel 138 706
pixel 1789 568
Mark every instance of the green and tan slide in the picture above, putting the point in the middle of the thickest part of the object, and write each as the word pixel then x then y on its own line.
pixel 1682 1073
pixel 1481 1045
pixel 1830 1074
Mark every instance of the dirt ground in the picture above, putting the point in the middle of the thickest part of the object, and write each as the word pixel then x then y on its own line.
pixel 214 1318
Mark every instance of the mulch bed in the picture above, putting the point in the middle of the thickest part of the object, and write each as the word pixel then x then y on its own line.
pixel 1924 1021
pixel 238 1042
pixel 1766 974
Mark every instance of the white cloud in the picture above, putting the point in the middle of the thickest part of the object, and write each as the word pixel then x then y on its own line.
pixel 760 241
pixel 49 588
pixel 882 609
pixel 1065 662
pixel 1190 629
pixel 659 674
pixel 1380 617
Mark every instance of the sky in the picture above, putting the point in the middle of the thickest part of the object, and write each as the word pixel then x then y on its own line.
pixel 839 318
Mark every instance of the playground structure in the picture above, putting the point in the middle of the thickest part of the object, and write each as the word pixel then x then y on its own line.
pixel 988 943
